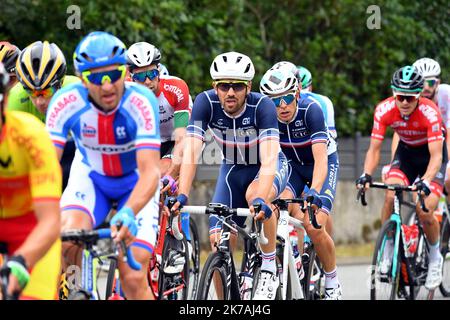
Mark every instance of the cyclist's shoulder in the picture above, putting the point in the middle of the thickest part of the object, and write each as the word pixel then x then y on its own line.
pixel 69 79
pixel 25 121
pixel 18 97
pixel 443 94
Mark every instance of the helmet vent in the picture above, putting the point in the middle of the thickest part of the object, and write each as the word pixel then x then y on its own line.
pixel 248 68
pixel 238 59
pixel 84 55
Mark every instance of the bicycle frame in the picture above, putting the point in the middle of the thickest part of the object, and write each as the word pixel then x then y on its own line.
pixel 288 258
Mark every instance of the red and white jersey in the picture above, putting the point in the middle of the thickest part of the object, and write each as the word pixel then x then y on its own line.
pixel 173 98
pixel 424 125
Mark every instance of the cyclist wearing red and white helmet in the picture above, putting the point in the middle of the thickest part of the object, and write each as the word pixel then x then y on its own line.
pixel 175 103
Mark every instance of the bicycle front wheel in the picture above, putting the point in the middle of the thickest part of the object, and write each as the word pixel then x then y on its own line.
pixel 194 273
pixel 384 279
pixel 213 280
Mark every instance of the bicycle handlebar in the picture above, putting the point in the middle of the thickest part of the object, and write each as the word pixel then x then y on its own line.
pixel 361 195
pixel 92 236
pixel 301 201
pixel 222 210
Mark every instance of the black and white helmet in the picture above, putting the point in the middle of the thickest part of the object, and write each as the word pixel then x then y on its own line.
pixel 428 67
pixel 286 65
pixel 142 54
pixel 232 65
pixel 278 81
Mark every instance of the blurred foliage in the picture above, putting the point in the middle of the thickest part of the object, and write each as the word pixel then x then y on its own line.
pixel 350 63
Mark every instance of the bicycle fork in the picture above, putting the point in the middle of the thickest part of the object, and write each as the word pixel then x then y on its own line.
pixel 288 260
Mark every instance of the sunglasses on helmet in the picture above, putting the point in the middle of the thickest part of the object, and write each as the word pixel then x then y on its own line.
pixel 141 76
pixel 99 78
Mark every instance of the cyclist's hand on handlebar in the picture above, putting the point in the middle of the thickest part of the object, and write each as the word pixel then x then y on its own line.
pixel 264 210
pixel 19 275
pixel 363 181
pixel 173 204
pixel 128 230
pixel 169 185
pixel 423 187
pixel 313 197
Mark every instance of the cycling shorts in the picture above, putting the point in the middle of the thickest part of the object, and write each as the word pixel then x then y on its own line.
pixel 232 185
pixel 409 163
pixel 94 194
pixel 167 149
pixel 300 177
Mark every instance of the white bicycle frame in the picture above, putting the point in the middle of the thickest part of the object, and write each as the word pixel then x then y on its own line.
pixel 288 257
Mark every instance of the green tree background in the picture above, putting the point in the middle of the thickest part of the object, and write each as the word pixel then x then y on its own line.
pixel 350 63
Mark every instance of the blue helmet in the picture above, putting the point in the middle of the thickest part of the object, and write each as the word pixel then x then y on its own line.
pixel 99 49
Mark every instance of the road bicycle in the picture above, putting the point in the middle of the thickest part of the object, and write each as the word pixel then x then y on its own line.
pixel 94 256
pixel 291 286
pixel 401 271
pixel 219 279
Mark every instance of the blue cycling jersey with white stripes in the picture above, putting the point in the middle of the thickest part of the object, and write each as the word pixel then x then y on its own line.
pixel 305 129
pixel 327 108
pixel 238 136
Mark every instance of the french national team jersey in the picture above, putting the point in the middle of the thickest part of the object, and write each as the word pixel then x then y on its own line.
pixel 174 106
pixel 305 129
pixel 107 141
pixel 327 108
pixel 239 136
pixel 424 124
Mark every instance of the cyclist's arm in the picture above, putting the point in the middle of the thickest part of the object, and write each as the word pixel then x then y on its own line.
pixel 373 156
pixel 192 151
pixel 177 155
pixel 394 145
pixel 269 156
pixel 149 175
pixel 44 234
pixel 320 172
pixel 435 148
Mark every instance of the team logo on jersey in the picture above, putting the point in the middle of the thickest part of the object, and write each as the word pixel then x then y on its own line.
pixel 88 131
pixel 298 123
pixel 435 127
pixel 177 91
pixel 246 121
pixel 220 122
pixel 121 133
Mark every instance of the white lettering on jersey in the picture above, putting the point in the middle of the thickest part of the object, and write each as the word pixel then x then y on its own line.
pixel 429 112
pixel 382 109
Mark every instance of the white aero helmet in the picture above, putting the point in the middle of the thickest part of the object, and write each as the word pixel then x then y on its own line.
pixel 232 65
pixel 286 65
pixel 428 67
pixel 142 54
pixel 278 81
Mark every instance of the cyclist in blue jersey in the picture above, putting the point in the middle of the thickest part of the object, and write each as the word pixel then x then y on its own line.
pixel 253 170
pixel 313 162
pixel 115 125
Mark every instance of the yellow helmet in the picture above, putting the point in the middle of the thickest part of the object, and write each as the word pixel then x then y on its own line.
pixel 41 65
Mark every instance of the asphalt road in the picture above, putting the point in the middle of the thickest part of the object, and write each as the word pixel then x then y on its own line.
pixel 354 278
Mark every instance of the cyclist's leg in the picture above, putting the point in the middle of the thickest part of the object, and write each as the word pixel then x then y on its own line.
pixel 230 191
pixel 83 206
pixel 447 181
pixel 134 283
pixel 294 188
pixel 270 225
